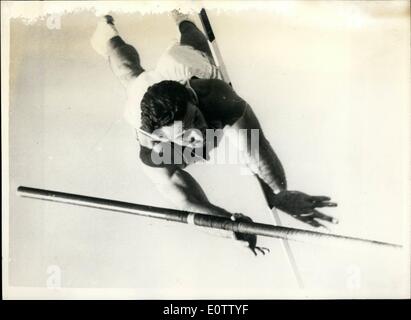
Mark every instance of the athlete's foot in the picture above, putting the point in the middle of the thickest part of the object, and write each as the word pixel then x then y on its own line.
pixel 104 32
pixel 180 17
pixel 109 19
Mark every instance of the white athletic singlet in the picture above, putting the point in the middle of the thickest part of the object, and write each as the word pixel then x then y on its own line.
pixel 178 63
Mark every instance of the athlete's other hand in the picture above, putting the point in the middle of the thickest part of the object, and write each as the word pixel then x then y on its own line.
pixel 249 240
pixel 304 207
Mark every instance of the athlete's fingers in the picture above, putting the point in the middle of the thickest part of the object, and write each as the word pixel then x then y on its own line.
pixel 321 226
pixel 264 248
pixel 313 223
pixel 320 198
pixel 306 215
pixel 261 250
pixel 318 215
pixel 322 204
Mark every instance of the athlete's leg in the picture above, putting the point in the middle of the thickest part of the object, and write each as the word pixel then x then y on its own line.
pixel 123 58
pixel 190 34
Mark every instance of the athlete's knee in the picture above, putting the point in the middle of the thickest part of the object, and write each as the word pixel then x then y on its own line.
pixel 187 26
pixel 117 42
pixel 124 56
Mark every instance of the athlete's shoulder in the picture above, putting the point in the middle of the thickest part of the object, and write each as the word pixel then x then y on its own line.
pixel 219 99
pixel 214 87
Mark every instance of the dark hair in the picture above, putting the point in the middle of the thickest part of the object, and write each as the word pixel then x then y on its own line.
pixel 163 103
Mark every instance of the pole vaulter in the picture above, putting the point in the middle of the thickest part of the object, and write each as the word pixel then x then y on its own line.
pixel 205 220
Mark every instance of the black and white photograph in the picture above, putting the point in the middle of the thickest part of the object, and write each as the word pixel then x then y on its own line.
pixel 205 150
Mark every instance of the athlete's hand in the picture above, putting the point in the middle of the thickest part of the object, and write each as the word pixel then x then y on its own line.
pixel 304 207
pixel 249 240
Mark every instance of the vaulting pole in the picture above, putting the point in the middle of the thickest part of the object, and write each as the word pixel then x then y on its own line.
pixel 198 219
pixel 218 58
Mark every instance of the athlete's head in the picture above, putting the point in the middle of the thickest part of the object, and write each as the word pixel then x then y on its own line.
pixel 169 111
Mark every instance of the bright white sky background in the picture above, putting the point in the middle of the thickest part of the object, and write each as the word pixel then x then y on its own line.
pixel 330 84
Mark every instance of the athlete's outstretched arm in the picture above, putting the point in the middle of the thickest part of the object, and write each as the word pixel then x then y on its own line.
pixel 122 57
pixel 247 134
pixel 182 189
pixel 263 161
